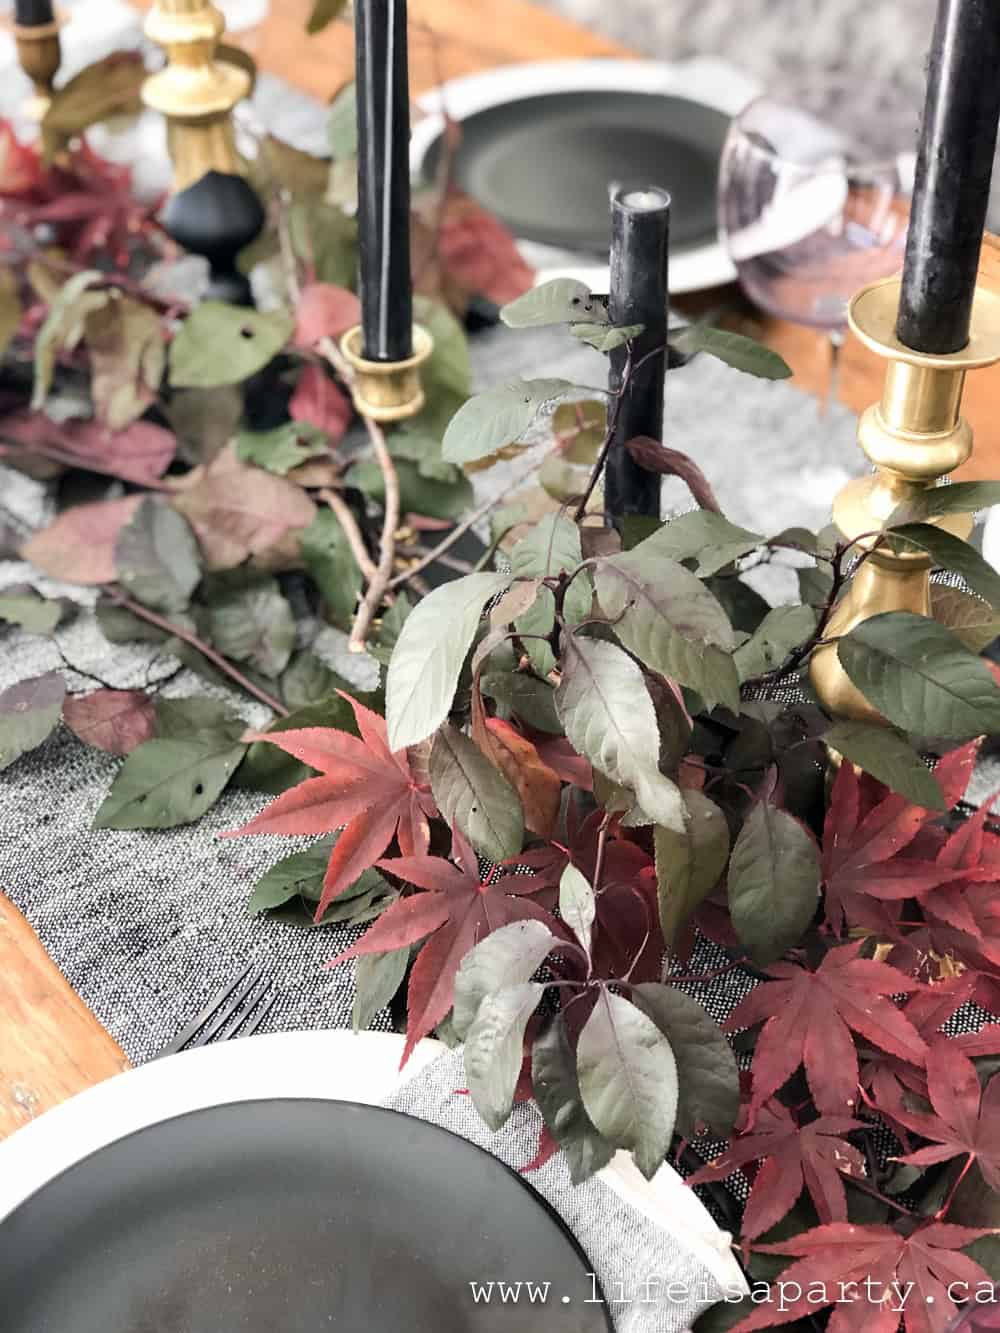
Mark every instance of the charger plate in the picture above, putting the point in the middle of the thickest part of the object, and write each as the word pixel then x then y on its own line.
pixel 41 1166
pixel 291 1214
pixel 542 143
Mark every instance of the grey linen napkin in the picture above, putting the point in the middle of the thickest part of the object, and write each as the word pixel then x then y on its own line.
pixel 652 1283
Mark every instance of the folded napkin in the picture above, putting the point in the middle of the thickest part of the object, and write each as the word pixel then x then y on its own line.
pixel 655 1254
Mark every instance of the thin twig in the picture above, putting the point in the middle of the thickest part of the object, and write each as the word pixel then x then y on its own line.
pixel 192 639
pixel 352 532
pixel 461 529
pixel 379 584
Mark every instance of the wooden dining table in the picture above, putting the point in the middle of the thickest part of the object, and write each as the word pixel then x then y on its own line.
pixel 51 1045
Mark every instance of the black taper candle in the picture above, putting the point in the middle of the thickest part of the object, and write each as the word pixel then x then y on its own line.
pixel 384 179
pixel 954 166
pixel 33 13
pixel 640 234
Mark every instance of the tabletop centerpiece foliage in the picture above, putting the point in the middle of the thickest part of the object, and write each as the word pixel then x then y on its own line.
pixel 554 775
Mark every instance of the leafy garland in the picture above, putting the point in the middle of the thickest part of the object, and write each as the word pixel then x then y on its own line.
pixel 573 764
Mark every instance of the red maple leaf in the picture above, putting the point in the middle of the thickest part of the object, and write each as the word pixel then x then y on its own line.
pixel 808 1019
pixel 967 902
pixel 456 911
pixel 863 842
pixel 965 1121
pixel 365 789
pixel 874 1277
pixel 478 252
pixel 814 1155
pixel 928 1010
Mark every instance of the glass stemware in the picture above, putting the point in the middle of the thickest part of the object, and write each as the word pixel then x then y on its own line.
pixel 812 206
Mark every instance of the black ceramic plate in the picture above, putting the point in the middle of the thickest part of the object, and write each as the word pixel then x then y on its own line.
pixel 289 1216
pixel 543 164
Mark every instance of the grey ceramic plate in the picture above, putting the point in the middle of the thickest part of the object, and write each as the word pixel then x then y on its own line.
pixel 283 1216
pixel 544 163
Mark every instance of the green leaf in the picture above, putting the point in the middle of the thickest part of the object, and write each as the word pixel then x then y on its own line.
pixel 889 757
pixel 969 618
pixel 22 605
pixel 689 863
pixel 734 349
pixel 950 552
pixel 329 559
pixel 921 677
pixel 157 558
pixel 429 654
pixel 389 628
pixel 268 769
pixel 342 124
pixel 253 623
pixel 119 625
pixel 164 783
pixel 225 344
pixel 377 978
pixel 197 718
pixel 498 417
pixel 29 711
pixel 494 1049
pixel 300 874
pixel 63 328
pixel 475 797
pixel 577 905
pixel 308 681
pixel 553 547
pixel 671 621
pixel 605 708
pixel 323 13
pixel 559 301
pixel 283 448
pixel 707 1076
pixel 533 701
pixel 774 879
pixel 603 338
pixel 703 536
pixel 959 497
pixel 815 585
pixel 557 1091
pixel 508 956
pixel 326 239
pixel 628 1080
pixel 781 631
pixel 417 494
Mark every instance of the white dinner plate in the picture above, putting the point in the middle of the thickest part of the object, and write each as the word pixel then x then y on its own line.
pixel 338 1066
pixel 706 82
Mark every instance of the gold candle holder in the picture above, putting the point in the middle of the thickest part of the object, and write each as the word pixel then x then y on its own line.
pixel 197 90
pixel 915 436
pixel 387 391
pixel 39 53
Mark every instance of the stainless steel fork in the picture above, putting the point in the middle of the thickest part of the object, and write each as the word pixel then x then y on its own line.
pixel 237 1010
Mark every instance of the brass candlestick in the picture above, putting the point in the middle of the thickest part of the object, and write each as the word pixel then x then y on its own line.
pixel 196 91
pixel 213 210
pixel 39 53
pixel 915 436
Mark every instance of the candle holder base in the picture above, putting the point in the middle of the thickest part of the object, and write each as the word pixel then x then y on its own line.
pixel 913 437
pixel 387 391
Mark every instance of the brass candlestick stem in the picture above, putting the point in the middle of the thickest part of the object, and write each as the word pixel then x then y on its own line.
pixel 915 436
pixel 196 91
